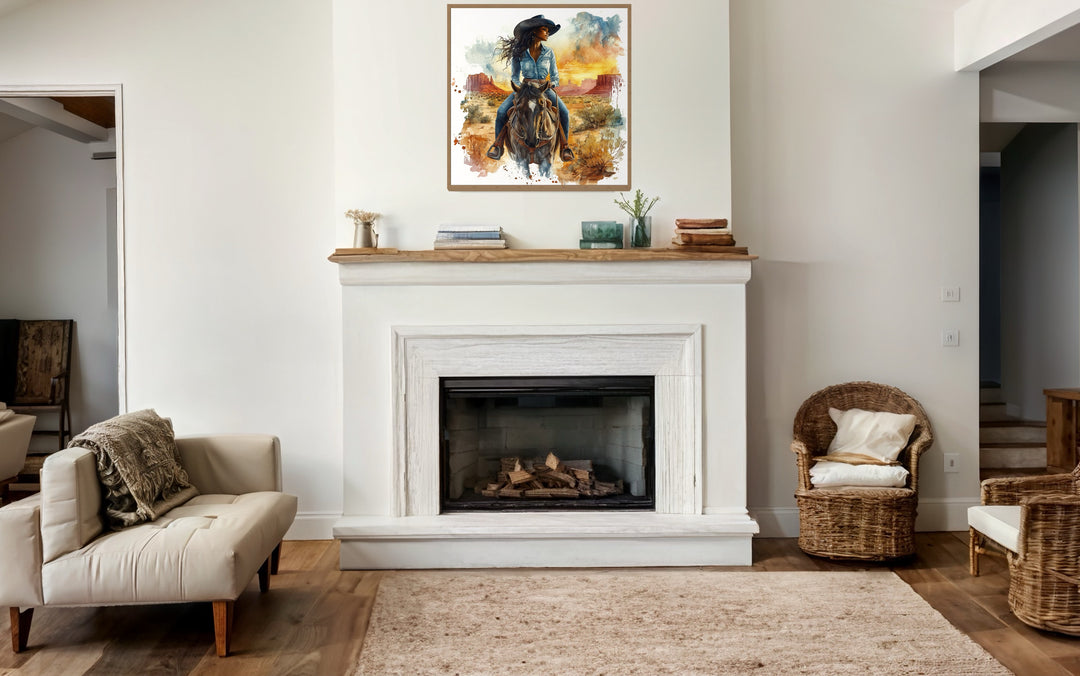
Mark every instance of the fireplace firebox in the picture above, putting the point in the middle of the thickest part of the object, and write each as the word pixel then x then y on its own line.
pixel 547 443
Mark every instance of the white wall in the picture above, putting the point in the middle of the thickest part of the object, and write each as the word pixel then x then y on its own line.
pixel 391 132
pixel 856 172
pixel 856 156
pixel 1040 280
pixel 233 312
pixel 54 241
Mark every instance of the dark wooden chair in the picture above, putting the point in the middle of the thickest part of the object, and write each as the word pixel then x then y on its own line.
pixel 43 373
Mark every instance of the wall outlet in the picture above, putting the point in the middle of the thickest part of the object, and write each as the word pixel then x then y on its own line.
pixel 950 337
pixel 952 462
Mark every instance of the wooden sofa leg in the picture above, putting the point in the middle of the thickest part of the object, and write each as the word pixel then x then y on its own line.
pixel 223 616
pixel 275 559
pixel 264 576
pixel 20 628
pixel 974 545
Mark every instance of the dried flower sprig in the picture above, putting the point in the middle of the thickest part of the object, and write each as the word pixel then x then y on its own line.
pixel 639 207
pixel 359 216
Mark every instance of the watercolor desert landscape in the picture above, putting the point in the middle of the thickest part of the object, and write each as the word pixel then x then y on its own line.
pixel 592 60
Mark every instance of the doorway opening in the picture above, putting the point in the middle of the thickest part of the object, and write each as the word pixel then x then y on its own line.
pixel 61 163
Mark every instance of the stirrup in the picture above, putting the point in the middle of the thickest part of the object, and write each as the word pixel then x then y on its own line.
pixel 567 155
pixel 495 151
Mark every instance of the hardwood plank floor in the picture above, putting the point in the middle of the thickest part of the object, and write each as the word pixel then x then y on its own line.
pixel 313 620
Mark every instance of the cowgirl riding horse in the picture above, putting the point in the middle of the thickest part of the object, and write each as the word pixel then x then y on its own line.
pixel 529 58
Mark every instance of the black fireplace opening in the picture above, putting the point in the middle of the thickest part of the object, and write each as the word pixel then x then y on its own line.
pixel 547 443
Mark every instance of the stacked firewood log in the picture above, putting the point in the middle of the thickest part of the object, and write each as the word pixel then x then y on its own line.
pixel 552 478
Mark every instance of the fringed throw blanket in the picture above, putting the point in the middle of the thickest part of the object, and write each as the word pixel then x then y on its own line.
pixel 139 467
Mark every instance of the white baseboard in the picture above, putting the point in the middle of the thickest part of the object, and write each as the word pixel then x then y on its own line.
pixel 313 526
pixel 935 514
pixel 776 522
pixel 944 514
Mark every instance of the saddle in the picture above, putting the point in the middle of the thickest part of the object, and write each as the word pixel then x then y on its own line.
pixel 496 150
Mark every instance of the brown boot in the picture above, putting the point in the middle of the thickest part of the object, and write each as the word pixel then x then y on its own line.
pixel 496 149
pixel 565 154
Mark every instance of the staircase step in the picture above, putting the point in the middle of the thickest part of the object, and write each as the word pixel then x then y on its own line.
pixel 993 412
pixel 1011 456
pixel 996 472
pixel 1012 431
pixel 989 395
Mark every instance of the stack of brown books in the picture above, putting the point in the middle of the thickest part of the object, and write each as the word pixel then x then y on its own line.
pixel 702 232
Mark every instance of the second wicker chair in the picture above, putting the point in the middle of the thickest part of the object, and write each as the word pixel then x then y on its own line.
pixel 1044 568
pixel 875 524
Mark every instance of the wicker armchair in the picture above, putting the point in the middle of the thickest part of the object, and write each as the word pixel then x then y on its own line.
pixel 874 524
pixel 1044 569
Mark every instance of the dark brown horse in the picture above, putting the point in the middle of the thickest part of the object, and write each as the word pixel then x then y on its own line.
pixel 533 123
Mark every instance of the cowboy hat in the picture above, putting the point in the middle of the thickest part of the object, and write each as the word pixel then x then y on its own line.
pixel 536 22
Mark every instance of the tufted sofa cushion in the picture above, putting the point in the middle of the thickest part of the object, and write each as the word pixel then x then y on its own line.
pixel 207 549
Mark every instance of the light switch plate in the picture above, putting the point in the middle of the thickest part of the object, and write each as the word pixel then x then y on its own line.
pixel 950 294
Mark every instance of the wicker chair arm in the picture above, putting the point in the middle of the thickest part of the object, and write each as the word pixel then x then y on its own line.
pixel 804 457
pixel 1011 490
pixel 922 443
pixel 1048 532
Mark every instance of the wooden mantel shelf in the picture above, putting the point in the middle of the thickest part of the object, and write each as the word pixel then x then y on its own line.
pixel 727 253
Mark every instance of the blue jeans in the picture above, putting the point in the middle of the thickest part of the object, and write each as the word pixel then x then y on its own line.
pixel 504 110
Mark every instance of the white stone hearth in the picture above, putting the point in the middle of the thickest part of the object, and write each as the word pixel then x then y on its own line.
pixel 405 326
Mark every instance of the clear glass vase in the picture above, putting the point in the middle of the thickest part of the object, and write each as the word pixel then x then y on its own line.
pixel 641 231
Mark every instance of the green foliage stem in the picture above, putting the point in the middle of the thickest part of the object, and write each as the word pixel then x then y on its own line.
pixel 639 207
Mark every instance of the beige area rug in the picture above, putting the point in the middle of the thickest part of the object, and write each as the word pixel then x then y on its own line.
pixel 661 622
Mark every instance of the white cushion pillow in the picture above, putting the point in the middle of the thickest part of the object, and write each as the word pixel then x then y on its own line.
pixel 870 436
pixel 825 474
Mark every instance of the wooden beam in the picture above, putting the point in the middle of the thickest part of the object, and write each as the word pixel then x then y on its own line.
pixel 696 253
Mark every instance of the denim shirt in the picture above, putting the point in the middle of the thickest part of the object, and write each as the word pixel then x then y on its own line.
pixel 542 67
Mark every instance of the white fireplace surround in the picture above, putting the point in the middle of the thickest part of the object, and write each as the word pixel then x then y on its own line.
pixel 422 355
pixel 407 324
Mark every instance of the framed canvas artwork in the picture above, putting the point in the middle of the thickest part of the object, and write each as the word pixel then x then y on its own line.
pixel 538 97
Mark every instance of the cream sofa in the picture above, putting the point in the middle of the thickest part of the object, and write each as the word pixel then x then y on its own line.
pixel 54 550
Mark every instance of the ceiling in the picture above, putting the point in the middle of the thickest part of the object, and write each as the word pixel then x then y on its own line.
pixel 101 110
pixel 1063 47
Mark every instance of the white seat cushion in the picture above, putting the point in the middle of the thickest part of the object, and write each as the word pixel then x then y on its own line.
pixel 1000 523
pixel 825 474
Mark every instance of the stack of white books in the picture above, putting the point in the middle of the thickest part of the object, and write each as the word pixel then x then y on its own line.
pixel 469 237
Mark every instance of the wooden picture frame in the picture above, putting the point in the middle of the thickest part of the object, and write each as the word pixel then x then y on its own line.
pixel 575 77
